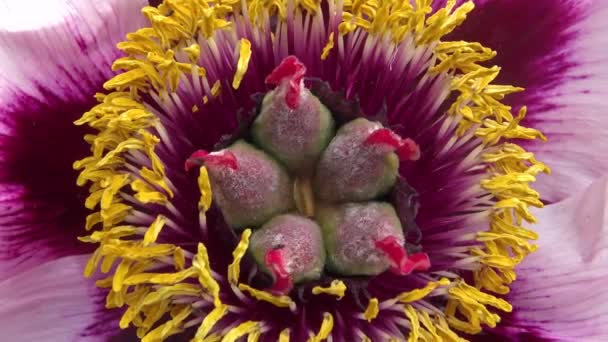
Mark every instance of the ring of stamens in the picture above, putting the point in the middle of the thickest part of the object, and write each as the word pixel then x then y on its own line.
pixel 168 286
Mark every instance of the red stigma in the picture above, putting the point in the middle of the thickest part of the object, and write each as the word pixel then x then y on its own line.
pixel 290 70
pixel 417 262
pixel 402 264
pixel 383 136
pixel 275 260
pixel 406 149
pixel 222 158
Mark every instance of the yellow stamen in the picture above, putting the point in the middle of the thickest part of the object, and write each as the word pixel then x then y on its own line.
pixel 415 329
pixel 325 330
pixel 205 278
pixel 241 330
pixel 209 322
pixel 372 310
pixel 284 336
pixel 417 294
pixel 327 48
pixel 193 51
pixel 280 301
pixel 241 69
pixel 234 268
pixel 204 186
pixel 336 288
pixel 169 328
pixel 159 56
pixel 216 89
pixel 155 228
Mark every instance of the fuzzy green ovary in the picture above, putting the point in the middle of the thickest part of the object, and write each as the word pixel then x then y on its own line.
pixel 333 252
pixel 300 237
pixel 243 204
pixel 330 217
pixel 350 231
pixel 364 174
pixel 281 131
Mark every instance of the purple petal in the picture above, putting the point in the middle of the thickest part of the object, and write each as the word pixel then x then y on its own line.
pixel 557 51
pixel 53 302
pixel 55 57
pixel 561 292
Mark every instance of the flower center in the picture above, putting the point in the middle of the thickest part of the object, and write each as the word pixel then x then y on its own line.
pixel 327 204
pixel 317 197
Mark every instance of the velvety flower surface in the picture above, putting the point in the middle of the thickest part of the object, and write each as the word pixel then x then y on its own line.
pixel 176 270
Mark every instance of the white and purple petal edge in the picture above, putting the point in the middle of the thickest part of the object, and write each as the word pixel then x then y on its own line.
pixel 560 293
pixel 65 46
pixel 556 50
pixel 55 54
pixel 574 114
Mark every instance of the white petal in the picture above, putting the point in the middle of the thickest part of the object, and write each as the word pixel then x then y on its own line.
pixel 65 46
pixel 54 302
pixel 574 114
pixel 561 292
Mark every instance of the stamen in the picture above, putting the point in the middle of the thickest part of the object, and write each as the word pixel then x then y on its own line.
pixel 275 260
pixel 402 264
pixel 290 70
pixel 161 304
pixel 200 157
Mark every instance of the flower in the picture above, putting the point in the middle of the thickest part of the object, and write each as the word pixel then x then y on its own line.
pixel 174 264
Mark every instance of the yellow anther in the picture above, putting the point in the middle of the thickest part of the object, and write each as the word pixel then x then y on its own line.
pixel 209 322
pixel 243 62
pixel 205 277
pixel 325 330
pixel 284 336
pixel 241 330
pixel 280 301
pixel 418 294
pixel 204 186
pixel 372 310
pixel 471 303
pixel 134 308
pixel 166 292
pixel 327 48
pixel 179 259
pixel 160 278
pixel 193 51
pixel 234 269
pixel 410 313
pixel 154 230
pixel 336 288
pixel 169 328
pixel 216 88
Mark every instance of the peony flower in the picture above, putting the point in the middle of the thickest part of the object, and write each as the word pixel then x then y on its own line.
pixel 337 171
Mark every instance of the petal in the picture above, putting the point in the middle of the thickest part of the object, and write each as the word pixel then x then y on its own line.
pixel 77 39
pixel 41 210
pixel 560 292
pixel 556 50
pixel 53 302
